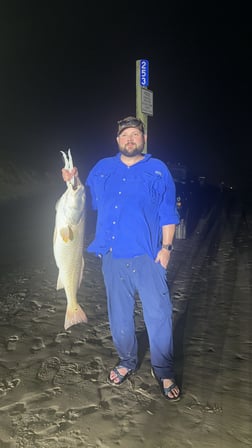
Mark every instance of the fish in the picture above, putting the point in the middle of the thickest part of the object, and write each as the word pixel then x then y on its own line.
pixel 68 240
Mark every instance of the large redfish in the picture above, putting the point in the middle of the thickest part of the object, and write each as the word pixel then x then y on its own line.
pixel 68 244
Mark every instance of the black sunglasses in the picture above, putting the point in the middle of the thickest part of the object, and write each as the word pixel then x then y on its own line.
pixel 130 123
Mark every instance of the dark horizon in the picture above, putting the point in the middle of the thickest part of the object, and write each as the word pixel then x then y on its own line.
pixel 66 85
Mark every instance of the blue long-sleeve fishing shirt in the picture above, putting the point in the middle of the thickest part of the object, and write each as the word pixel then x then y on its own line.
pixel 132 203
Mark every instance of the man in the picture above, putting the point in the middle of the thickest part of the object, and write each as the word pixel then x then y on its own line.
pixel 134 195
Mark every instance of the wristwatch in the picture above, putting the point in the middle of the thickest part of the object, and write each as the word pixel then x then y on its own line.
pixel 168 247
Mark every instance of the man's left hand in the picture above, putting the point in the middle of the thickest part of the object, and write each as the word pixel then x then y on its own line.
pixel 163 257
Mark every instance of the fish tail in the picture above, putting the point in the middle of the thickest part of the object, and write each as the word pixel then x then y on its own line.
pixel 74 315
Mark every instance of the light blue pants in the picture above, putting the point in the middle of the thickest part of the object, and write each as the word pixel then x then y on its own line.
pixel 124 277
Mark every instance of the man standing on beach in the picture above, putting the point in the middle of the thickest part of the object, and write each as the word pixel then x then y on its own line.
pixel 134 195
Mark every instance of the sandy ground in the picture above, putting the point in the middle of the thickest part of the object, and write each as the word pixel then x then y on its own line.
pixel 53 383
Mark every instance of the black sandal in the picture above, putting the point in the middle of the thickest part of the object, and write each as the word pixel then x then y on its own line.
pixel 165 390
pixel 121 378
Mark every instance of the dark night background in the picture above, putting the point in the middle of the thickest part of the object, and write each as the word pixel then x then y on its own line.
pixel 68 73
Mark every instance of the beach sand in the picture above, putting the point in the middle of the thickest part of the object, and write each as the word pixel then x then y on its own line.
pixel 53 383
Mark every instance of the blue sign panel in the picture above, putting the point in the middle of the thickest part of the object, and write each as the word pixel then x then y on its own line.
pixel 144 72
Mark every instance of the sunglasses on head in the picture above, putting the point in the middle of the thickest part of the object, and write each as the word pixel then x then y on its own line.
pixel 130 123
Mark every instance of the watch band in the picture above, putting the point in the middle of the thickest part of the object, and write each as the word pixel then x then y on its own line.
pixel 168 247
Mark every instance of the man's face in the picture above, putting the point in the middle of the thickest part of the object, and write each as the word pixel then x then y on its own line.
pixel 131 142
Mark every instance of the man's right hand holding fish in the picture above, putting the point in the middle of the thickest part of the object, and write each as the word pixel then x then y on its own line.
pixel 69 174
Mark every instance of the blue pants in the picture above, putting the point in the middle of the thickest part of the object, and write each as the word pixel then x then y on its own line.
pixel 124 277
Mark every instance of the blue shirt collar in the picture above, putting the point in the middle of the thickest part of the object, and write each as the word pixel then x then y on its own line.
pixel 146 157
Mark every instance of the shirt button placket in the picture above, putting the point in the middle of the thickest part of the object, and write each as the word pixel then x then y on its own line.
pixel 114 221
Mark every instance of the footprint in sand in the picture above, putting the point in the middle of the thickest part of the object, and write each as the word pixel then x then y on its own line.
pixel 60 336
pixel 7 385
pixel 92 369
pixel 35 304
pixel 38 344
pixel 49 369
pixel 12 342
pixel 68 374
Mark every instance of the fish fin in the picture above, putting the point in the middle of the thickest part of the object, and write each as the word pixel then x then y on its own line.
pixel 66 234
pixel 59 283
pixel 74 315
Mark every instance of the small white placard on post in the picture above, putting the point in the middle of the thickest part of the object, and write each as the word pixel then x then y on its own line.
pixel 147 101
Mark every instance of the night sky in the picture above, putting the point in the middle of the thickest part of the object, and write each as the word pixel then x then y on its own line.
pixel 68 74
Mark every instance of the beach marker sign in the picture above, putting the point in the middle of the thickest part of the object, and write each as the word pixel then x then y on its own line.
pixel 144 72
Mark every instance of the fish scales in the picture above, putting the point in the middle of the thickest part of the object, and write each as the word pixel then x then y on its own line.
pixel 68 244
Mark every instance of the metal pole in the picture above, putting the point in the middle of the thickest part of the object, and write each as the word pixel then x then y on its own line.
pixel 139 113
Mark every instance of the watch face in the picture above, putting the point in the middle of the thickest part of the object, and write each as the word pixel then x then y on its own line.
pixel 168 246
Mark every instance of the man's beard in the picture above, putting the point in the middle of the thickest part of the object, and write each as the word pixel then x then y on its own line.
pixel 137 151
